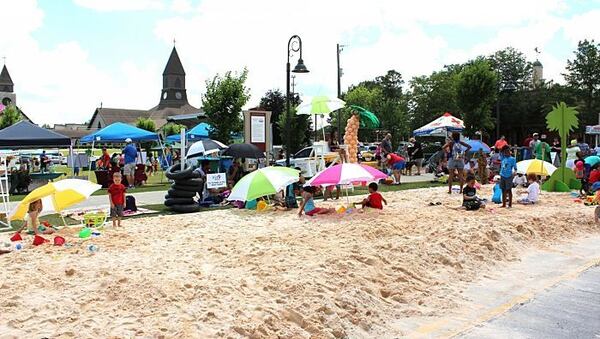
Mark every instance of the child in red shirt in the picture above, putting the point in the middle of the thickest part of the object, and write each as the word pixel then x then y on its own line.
pixel 374 200
pixel 116 197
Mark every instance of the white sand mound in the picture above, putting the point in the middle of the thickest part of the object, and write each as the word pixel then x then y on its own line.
pixel 238 273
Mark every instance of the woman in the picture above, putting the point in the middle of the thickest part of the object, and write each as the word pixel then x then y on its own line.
pixel 456 163
pixel 556 149
pixel 572 151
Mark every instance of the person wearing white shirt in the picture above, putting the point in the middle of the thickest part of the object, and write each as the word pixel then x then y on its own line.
pixel 533 191
pixel 519 180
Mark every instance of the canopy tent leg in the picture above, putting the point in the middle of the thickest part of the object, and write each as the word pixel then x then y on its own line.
pixel 164 158
pixel 90 160
pixel 183 142
pixel 72 160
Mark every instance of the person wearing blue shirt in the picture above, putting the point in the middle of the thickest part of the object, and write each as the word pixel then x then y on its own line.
pixel 130 154
pixel 507 168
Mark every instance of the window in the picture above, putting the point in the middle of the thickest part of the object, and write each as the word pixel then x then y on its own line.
pixel 303 153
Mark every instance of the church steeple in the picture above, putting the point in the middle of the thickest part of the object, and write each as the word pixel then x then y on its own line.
pixel 6 83
pixel 173 93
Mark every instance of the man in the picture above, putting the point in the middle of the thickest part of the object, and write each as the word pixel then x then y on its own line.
pixel 416 155
pixel 130 155
pixel 542 150
pixel 526 150
pixel 532 145
pixel 500 143
pixel 44 162
pixel 583 146
pixel 386 145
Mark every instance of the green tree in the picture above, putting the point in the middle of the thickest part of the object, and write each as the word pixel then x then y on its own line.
pixel 512 68
pixel 146 124
pixel 562 119
pixel 583 73
pixel 274 101
pixel 300 127
pixel 172 128
pixel 476 93
pixel 10 116
pixel 225 96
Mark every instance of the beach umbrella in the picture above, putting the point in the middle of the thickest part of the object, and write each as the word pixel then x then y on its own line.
pixel 319 105
pixel 263 181
pixel 56 196
pixel 592 160
pixel 346 173
pixel 535 166
pixel 477 145
pixel 367 119
pixel 205 146
pixel 244 151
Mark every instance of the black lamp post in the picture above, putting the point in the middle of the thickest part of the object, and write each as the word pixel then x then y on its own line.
pixel 294 45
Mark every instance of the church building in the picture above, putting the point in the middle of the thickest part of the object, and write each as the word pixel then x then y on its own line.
pixel 7 93
pixel 172 106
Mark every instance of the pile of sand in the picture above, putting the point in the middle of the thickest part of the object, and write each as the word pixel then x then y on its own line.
pixel 236 273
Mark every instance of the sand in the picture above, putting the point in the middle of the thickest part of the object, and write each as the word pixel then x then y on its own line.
pixel 238 273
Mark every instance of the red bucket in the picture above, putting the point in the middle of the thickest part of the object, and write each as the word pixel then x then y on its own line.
pixel 59 241
pixel 37 240
pixel 16 237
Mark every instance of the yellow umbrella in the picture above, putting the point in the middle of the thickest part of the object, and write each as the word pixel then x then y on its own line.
pixel 535 166
pixel 55 196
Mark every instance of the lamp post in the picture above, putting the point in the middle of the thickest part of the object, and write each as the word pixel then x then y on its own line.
pixel 339 91
pixel 294 45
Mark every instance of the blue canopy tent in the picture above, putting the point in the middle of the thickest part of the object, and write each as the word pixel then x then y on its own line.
pixel 199 131
pixel 119 132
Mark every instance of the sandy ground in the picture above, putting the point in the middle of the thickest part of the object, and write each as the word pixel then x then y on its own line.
pixel 238 273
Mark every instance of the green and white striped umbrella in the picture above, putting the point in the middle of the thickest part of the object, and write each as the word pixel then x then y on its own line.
pixel 263 181
pixel 319 105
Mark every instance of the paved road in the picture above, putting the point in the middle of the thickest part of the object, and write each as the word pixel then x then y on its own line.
pixel 570 309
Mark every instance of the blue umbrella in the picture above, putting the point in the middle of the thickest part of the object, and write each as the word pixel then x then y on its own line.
pixel 477 145
pixel 592 160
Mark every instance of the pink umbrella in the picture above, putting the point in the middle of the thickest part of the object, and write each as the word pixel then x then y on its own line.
pixel 344 174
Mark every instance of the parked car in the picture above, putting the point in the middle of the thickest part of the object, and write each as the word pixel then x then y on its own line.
pixel 311 159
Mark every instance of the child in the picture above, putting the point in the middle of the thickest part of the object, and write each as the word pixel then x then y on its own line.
pixel 580 175
pixel 533 191
pixel 519 180
pixel 308 205
pixel 497 195
pixel 116 197
pixel 470 199
pixel 32 222
pixel 508 166
pixel 374 199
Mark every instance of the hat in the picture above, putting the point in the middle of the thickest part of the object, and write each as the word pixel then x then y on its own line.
pixel 535 134
pixel 573 142
pixel 496 178
pixel 128 140
pixel 579 165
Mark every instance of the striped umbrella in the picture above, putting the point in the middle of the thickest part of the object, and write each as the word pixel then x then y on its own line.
pixel 346 173
pixel 205 146
pixel 319 105
pixel 535 166
pixel 263 181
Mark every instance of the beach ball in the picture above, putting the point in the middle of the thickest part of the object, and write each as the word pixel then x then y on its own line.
pixel 85 233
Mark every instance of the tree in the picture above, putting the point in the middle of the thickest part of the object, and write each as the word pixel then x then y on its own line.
pixel 583 73
pixel 300 127
pixel 476 93
pixel 274 101
pixel 146 124
pixel 172 128
pixel 10 116
pixel 512 68
pixel 562 119
pixel 225 96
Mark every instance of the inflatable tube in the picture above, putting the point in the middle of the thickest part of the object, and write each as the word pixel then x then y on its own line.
pixel 174 173
pixel 179 187
pixel 179 201
pixel 181 194
pixel 185 208
pixel 191 182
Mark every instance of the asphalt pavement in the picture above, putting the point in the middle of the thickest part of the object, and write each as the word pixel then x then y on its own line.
pixel 570 309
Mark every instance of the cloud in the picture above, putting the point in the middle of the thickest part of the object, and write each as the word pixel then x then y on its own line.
pixel 121 5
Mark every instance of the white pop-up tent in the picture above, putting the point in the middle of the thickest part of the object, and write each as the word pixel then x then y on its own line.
pixel 441 126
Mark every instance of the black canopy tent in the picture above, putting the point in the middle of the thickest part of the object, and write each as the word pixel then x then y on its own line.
pixel 24 134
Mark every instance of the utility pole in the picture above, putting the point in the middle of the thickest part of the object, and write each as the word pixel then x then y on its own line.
pixel 339 49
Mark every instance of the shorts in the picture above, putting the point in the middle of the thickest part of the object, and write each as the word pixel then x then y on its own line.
pixel 116 211
pixel 506 184
pixel 399 165
pixel 314 211
pixel 418 162
pixel 458 164
pixel 129 169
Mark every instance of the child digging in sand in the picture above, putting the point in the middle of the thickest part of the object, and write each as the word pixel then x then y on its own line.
pixel 116 197
pixel 470 199
pixel 32 222
pixel 308 205
pixel 374 199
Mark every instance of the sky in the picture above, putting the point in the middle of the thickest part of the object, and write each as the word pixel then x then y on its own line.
pixel 68 56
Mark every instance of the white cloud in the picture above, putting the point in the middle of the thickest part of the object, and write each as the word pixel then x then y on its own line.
pixel 121 5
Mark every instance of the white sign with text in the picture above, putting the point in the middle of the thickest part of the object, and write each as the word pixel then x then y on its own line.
pixel 216 180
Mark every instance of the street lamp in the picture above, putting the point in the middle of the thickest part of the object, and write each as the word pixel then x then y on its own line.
pixel 294 45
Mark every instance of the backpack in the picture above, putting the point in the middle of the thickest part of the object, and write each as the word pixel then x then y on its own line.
pixel 130 203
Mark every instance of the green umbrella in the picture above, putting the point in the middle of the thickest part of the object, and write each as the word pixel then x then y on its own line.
pixel 367 119
pixel 263 181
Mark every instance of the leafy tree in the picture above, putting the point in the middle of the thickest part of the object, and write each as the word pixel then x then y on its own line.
pixel 583 73
pixel 476 93
pixel 10 116
pixel 172 128
pixel 225 96
pixel 512 68
pixel 146 124
pixel 274 101
pixel 562 119
pixel 300 127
